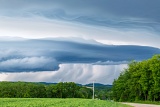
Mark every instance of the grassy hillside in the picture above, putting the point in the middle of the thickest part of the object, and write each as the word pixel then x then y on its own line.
pixel 50 102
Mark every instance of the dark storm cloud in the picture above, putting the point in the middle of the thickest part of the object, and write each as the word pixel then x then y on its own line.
pixel 46 55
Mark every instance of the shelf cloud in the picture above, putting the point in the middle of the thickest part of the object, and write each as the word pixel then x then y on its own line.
pixel 33 55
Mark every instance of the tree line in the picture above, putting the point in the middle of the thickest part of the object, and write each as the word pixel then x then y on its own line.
pixel 38 90
pixel 140 81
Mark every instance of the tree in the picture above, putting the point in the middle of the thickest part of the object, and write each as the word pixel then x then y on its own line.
pixel 140 81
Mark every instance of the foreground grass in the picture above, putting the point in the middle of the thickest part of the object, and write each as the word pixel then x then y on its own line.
pixel 52 102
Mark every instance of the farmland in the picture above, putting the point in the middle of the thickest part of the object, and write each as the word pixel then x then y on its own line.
pixel 56 102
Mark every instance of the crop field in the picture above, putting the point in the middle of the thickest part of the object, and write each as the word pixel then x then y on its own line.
pixel 53 102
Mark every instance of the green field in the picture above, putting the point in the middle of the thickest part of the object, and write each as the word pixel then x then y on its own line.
pixel 53 102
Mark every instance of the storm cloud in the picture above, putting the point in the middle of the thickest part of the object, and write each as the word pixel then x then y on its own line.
pixel 30 55
pixel 75 40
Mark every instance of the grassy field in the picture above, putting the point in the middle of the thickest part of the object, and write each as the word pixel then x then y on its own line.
pixel 52 102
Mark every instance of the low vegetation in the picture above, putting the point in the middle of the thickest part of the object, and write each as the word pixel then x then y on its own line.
pixel 52 102
pixel 102 92
pixel 38 90
pixel 53 90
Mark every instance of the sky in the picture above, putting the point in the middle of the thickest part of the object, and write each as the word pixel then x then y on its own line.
pixel 75 40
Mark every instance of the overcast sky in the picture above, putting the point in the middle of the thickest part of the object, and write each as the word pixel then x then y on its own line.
pixel 86 29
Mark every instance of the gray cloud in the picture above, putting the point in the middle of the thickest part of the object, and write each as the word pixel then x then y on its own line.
pixel 107 21
pixel 28 64
pixel 46 54
pixel 122 14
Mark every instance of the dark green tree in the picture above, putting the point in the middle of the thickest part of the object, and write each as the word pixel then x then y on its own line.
pixel 140 81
